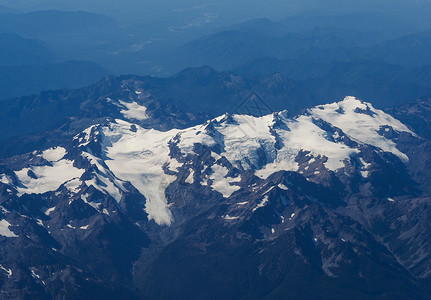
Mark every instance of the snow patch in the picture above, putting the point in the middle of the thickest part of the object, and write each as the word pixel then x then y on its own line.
pixel 365 166
pixel 95 205
pixel 49 210
pixel 221 183
pixel 40 222
pixel 54 154
pixel 189 178
pixel 227 217
pixel 4 229
pixel 134 111
pixel 5 179
pixel 261 203
pixel 283 187
pixel 73 185
pixel 47 178
pixel 35 275
pixel 85 139
pixel 8 271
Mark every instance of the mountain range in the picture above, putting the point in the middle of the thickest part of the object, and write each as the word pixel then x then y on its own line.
pixel 238 168
pixel 377 56
pixel 127 194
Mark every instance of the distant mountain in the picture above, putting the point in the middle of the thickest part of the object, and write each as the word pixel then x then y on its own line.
pixel 380 25
pixel 328 59
pixel 416 114
pixel 40 23
pixel 409 51
pixel 326 204
pixel 15 50
pixel 29 66
pixel 17 81
pixel 75 35
pixel 6 10
pixel 261 26
pixel 319 37
pixel 387 84
pixel 253 40
pixel 68 35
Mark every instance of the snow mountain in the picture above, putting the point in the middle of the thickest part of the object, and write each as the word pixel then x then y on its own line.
pixel 239 206
pixel 327 138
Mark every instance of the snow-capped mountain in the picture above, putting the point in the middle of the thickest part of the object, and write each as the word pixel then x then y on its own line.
pixel 122 206
pixel 328 138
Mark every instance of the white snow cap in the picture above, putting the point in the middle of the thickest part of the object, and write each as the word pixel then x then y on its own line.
pixel 361 122
pixel 139 156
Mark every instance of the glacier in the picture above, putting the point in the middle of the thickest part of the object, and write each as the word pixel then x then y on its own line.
pixel 151 160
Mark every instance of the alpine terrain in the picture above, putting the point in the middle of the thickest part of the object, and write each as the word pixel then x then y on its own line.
pixel 119 195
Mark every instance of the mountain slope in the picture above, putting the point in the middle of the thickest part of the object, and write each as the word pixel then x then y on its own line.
pixel 416 114
pixel 15 50
pixel 40 23
pixel 20 80
pixel 240 206
pixel 173 102
pixel 386 84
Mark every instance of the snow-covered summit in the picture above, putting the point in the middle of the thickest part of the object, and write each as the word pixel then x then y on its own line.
pixel 361 122
pixel 151 160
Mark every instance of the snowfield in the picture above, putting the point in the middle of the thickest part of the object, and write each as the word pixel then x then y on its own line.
pixel 262 145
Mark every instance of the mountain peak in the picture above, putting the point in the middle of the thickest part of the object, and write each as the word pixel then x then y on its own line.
pixel 361 122
pixel 328 137
pixel 316 184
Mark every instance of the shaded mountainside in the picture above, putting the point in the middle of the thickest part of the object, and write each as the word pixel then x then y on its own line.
pixel 234 47
pixel 328 204
pixel 30 64
pixel 350 37
pixel 331 56
pixel 40 23
pixel 15 50
pixel 21 80
pixel 416 114
pixel 386 84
